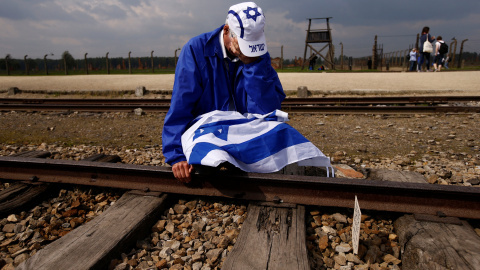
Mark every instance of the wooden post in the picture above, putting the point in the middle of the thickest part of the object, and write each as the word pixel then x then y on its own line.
pixel 460 54
pixel 306 42
pixel 151 56
pixel 108 64
pixel 341 55
pixel 7 58
pixel 86 64
pixel 26 64
pixel 45 61
pixel 374 54
pixel 332 48
pixel 129 64
pixel 454 52
pixel 281 57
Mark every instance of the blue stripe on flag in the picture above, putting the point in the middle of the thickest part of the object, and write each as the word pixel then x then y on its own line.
pixel 215 126
pixel 256 149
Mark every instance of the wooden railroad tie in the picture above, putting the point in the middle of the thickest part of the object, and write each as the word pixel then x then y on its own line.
pixel 94 244
pixel 22 194
pixel 272 237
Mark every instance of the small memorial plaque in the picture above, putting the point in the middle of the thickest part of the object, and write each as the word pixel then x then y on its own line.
pixel 357 216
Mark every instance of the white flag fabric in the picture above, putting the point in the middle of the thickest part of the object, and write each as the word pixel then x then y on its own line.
pixel 251 142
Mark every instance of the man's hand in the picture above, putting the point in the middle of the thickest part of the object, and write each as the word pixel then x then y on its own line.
pixel 235 49
pixel 182 171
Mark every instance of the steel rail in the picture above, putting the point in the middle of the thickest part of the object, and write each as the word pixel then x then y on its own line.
pixel 455 201
pixel 85 107
pixel 289 101
pixel 321 109
pixel 379 100
pixel 380 109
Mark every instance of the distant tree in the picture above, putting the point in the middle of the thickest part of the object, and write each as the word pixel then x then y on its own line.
pixel 32 64
pixel 68 61
pixel 7 63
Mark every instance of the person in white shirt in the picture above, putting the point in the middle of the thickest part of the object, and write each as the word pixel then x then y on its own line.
pixel 440 52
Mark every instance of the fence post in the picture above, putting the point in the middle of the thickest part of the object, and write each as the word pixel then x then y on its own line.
pixel 454 52
pixel 86 63
pixel 45 61
pixel 129 64
pixel 374 54
pixel 460 54
pixel 151 56
pixel 281 57
pixel 7 58
pixel 108 64
pixel 26 64
pixel 341 55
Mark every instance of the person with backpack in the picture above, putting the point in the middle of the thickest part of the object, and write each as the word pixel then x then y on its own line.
pixel 441 49
pixel 425 48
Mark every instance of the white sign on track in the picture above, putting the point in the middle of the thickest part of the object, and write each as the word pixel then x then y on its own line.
pixel 357 216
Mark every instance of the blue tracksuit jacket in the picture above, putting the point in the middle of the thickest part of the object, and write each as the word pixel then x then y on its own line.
pixel 202 84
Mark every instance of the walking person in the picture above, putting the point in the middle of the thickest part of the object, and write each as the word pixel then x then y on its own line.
pixel 425 49
pixel 441 48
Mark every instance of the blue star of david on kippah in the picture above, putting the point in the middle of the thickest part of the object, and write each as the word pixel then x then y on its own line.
pixel 254 16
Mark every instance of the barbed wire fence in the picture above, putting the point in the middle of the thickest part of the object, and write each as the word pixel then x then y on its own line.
pixel 283 57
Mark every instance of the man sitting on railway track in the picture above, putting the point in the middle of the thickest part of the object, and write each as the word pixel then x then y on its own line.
pixel 223 74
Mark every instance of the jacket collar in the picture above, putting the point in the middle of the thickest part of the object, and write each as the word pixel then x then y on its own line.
pixel 213 47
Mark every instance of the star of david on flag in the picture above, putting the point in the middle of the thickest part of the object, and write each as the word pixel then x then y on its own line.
pixel 251 142
pixel 255 14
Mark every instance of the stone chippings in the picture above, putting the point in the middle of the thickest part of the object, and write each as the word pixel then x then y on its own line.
pixel 148 155
pixel 438 167
pixel 329 242
pixel 23 234
pixel 193 235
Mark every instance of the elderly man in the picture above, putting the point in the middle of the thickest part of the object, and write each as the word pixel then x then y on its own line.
pixel 227 69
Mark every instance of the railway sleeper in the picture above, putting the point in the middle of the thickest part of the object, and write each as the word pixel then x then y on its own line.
pixel 271 238
pixel 437 245
pixel 93 245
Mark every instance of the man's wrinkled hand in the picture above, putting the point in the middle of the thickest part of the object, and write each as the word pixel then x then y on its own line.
pixel 183 171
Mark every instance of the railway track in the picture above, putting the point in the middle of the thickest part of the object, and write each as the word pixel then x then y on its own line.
pixel 456 201
pixel 279 199
pixel 329 105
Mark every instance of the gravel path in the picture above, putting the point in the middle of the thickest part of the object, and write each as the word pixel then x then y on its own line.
pixel 467 82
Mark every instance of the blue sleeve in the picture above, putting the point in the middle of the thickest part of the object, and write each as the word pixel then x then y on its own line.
pixel 262 85
pixel 186 91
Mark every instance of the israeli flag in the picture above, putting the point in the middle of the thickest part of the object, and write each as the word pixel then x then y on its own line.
pixel 251 142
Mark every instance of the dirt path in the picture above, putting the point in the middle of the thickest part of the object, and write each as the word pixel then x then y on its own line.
pixel 467 82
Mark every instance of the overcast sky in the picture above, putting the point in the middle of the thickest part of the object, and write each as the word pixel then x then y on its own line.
pixel 38 27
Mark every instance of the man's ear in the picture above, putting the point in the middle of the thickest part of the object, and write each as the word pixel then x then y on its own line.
pixel 225 28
